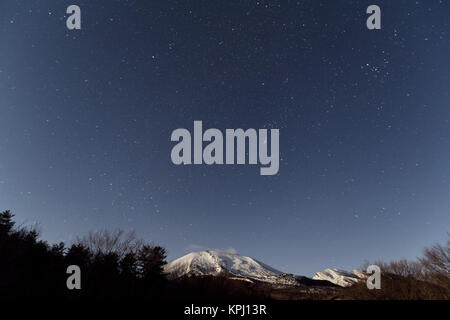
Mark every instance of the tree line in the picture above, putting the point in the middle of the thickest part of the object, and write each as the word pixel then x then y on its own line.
pixel 114 265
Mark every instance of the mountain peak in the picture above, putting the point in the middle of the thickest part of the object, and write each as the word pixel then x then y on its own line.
pixel 214 262
pixel 340 277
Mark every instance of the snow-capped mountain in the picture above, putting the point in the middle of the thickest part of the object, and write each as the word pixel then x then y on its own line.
pixel 235 266
pixel 212 262
pixel 340 277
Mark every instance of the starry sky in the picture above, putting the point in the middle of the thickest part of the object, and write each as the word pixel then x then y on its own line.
pixel 86 117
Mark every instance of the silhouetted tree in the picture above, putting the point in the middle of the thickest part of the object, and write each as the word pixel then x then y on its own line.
pixel 426 278
pixel 436 264
pixel 117 241
pixel 151 260
pixel 6 223
pixel 114 265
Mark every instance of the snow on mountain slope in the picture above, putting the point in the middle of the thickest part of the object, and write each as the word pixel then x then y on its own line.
pixel 340 277
pixel 213 262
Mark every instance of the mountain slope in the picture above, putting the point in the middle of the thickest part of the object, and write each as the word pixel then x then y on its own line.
pixel 340 277
pixel 213 262
pixel 235 266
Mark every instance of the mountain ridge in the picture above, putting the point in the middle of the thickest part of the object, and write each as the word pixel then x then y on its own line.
pixel 216 262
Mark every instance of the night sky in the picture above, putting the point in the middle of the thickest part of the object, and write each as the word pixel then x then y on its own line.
pixel 86 117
